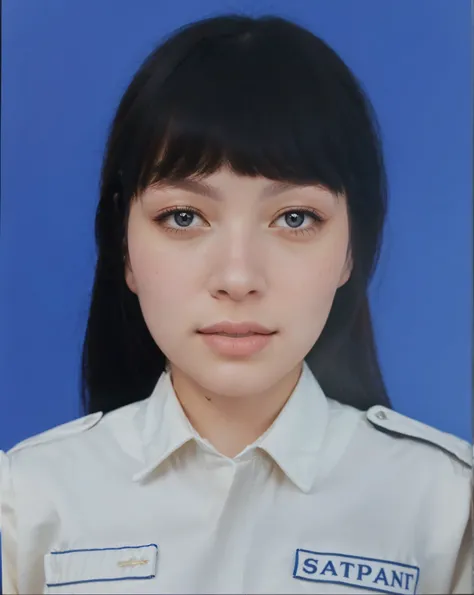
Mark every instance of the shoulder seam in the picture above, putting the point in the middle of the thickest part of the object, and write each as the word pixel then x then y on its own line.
pixel 71 428
pixel 390 422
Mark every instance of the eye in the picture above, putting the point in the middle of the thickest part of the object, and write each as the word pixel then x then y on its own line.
pixel 178 219
pixel 301 220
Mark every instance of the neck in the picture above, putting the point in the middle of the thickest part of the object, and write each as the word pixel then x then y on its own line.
pixel 232 423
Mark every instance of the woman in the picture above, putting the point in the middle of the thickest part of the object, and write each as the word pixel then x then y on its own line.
pixel 239 436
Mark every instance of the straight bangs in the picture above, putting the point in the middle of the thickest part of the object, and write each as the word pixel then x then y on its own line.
pixel 258 109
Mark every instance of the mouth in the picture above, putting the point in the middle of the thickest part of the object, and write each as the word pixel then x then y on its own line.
pixel 236 329
pixel 237 344
pixel 237 335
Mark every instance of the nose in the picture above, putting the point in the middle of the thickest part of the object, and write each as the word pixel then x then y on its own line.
pixel 237 269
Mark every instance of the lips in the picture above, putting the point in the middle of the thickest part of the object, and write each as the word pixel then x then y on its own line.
pixel 236 329
pixel 236 345
pixel 235 335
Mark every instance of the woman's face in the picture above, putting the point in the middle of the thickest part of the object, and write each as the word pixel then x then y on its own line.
pixel 243 249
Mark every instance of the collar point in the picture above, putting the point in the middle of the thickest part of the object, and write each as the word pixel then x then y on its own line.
pixel 305 487
pixel 140 475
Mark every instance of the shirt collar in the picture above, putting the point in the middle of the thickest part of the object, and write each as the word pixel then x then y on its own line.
pixel 297 434
pixel 292 441
pixel 164 428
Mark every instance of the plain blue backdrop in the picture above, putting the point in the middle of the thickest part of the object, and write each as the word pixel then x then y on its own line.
pixel 66 64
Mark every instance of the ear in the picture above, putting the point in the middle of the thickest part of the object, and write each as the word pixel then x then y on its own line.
pixel 346 271
pixel 130 278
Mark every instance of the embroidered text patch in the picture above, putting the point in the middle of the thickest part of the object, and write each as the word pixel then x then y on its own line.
pixel 372 574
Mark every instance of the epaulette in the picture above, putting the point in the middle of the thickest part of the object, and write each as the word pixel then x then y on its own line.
pixel 68 429
pixel 391 422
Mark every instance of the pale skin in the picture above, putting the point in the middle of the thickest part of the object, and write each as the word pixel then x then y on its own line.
pixel 239 258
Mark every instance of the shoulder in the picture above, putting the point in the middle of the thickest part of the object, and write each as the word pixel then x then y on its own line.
pixel 418 437
pixel 44 453
pixel 22 471
pixel 58 433
pixel 81 443
pixel 75 454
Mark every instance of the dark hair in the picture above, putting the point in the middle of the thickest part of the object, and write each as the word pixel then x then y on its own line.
pixel 264 97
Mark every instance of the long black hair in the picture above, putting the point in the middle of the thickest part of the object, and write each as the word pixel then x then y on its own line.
pixel 265 97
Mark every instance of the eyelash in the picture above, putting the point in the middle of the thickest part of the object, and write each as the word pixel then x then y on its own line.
pixel 317 219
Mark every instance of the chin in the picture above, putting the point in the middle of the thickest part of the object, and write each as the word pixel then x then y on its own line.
pixel 237 378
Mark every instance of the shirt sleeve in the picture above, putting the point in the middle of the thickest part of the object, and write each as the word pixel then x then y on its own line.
pixel 463 580
pixel 7 529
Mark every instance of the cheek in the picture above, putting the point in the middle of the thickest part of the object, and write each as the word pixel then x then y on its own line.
pixel 164 292
pixel 310 283
pixel 162 277
pixel 312 291
pixel 319 267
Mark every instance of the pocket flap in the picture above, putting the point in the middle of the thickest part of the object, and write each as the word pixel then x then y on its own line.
pixel 71 567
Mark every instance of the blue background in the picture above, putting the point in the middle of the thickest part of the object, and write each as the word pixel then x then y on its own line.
pixel 66 64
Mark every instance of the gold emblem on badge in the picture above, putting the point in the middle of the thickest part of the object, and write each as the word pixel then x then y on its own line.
pixel 132 563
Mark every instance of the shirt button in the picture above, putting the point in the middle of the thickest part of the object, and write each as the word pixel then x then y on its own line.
pixel 381 415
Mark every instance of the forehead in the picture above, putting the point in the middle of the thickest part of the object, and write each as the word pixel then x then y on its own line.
pixel 226 184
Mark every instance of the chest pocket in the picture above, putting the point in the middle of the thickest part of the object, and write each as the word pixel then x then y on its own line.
pixel 100 570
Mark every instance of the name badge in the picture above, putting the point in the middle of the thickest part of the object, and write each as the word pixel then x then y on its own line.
pixel 96 565
pixel 372 574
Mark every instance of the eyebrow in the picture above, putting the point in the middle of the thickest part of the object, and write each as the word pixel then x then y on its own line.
pixel 197 187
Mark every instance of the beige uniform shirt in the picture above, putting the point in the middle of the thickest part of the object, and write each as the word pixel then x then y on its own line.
pixel 329 500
